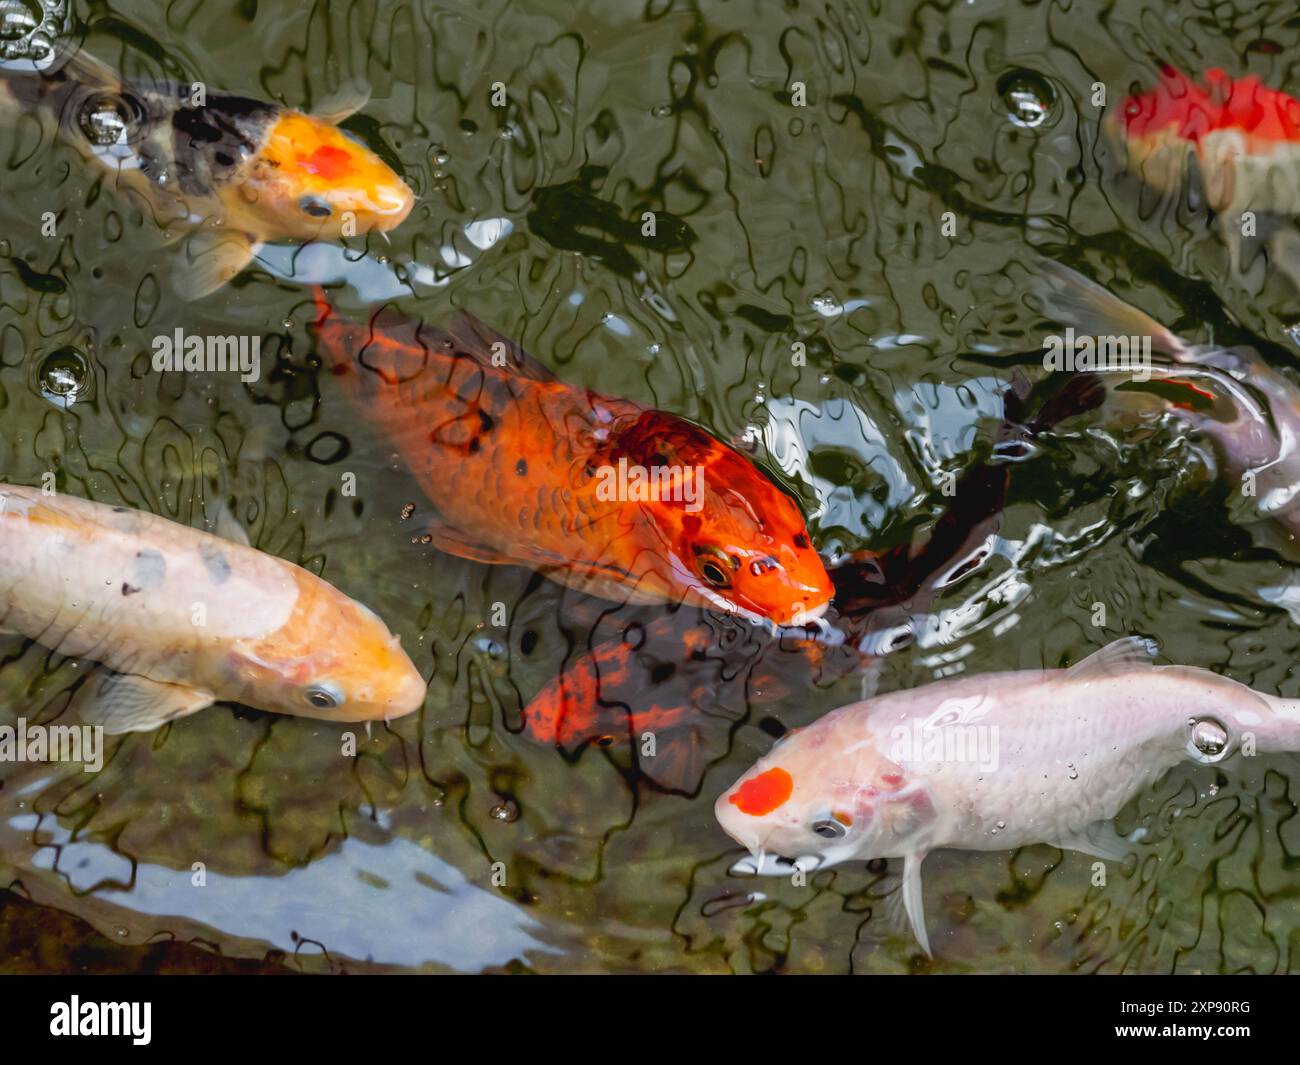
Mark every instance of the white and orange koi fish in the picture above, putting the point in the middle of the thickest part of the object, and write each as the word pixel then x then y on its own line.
pixel 181 619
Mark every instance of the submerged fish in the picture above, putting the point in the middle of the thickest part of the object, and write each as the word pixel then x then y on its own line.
pixel 181 619
pixel 1250 411
pixel 993 762
pixel 527 470
pixel 1243 136
pixel 229 171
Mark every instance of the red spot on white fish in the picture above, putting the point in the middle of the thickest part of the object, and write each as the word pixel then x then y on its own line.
pixel 764 793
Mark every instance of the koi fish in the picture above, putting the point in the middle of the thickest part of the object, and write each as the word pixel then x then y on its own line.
pixel 231 172
pixel 687 678
pixel 690 677
pixel 121 587
pixel 1247 409
pixel 975 763
pixel 1243 136
pixel 524 469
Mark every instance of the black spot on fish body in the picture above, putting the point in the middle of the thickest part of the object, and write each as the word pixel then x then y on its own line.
pixel 128 589
pixel 150 568
pixel 214 559
pixel 521 467
pixel 211 143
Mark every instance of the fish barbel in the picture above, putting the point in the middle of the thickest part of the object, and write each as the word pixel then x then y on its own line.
pixel 181 619
pixel 993 762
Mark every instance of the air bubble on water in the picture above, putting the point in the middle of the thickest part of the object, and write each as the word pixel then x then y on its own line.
pixel 63 377
pixel 506 811
pixel 1028 97
pixel 1074 773
pixel 662 110
pixel 827 306
pixel 18 18
pixel 105 121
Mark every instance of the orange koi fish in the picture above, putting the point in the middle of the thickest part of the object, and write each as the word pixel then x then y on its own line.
pixel 1243 136
pixel 691 677
pixel 124 588
pixel 598 493
pixel 229 171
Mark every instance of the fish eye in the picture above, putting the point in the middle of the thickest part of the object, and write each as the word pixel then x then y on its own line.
pixel 315 206
pixel 714 565
pixel 829 828
pixel 712 573
pixel 324 696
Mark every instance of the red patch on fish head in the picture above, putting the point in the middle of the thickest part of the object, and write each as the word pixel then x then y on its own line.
pixel 764 793
pixel 328 162
pixel 743 538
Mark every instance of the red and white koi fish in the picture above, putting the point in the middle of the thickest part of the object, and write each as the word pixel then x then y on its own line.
pixel 993 762
pixel 1243 136
pixel 121 587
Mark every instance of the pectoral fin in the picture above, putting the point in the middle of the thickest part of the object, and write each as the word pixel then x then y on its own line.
pixel 914 900
pixel 213 258
pixel 1100 840
pixel 341 105
pixel 123 702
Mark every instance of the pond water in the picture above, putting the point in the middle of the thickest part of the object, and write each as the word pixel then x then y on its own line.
pixel 890 225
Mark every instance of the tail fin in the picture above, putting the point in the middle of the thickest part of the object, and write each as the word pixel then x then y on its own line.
pixel 1074 300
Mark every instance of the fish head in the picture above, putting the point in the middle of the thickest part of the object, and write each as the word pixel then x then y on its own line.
pixel 313 181
pixel 334 659
pixel 819 800
pixel 735 540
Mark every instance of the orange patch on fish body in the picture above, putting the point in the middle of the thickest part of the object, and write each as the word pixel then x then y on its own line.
pixel 764 793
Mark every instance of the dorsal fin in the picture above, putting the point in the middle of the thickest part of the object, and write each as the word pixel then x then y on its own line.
pixel 1126 653
pixel 228 527
pixel 471 337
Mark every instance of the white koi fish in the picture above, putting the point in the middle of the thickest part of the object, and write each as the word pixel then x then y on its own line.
pixel 993 762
